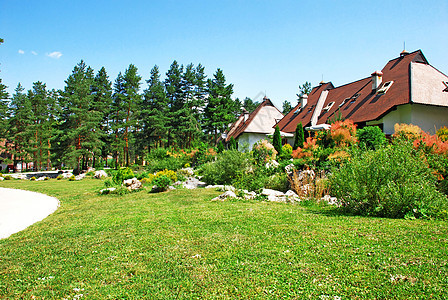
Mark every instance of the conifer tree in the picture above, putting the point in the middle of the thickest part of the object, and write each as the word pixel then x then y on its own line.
pixel 277 140
pixel 154 113
pixel 221 109
pixel 118 117
pixel 299 137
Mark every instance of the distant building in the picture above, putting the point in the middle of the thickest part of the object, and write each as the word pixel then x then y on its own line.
pixel 255 126
pixel 407 90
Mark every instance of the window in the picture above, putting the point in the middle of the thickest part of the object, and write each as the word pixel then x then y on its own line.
pixel 343 102
pixel 328 107
pixel 385 87
pixel 446 86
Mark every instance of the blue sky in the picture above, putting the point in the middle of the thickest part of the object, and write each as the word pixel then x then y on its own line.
pixel 262 46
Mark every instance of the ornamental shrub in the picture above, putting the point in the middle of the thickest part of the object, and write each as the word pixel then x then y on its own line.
pixel 442 133
pixel 226 168
pixel 277 140
pixel 371 138
pixel 286 151
pixel 263 151
pixel 122 174
pixel 162 182
pixel 299 138
pixel 393 181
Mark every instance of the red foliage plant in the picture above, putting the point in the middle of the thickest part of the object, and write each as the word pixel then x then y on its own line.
pixel 307 150
pixel 343 133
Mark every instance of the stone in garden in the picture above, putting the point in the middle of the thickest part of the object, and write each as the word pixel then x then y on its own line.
pixel 1 178
pixel 107 191
pixel 222 188
pixel 132 184
pixel 249 195
pixel 272 164
pixel 292 196
pixel 66 175
pixel 225 196
pixel 289 169
pixel 330 200
pixel 80 176
pixel 193 182
pixel 273 195
pixel 100 174
pixel 189 171
pixel 41 178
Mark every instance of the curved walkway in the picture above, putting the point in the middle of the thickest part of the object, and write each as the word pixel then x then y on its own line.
pixel 20 209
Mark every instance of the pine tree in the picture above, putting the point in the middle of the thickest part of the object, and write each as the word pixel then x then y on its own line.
pixel 132 109
pixel 220 147
pixel 118 117
pixel 277 140
pixel 174 94
pixel 221 110
pixel 4 96
pixel 80 134
pixel 233 145
pixel 18 125
pixel 154 113
pixel 286 107
pixel 299 138
pixel 102 102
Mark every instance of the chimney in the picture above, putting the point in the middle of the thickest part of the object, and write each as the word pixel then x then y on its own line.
pixel 246 114
pixel 377 78
pixel 304 100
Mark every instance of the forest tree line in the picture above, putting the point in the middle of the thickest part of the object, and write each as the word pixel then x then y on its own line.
pixel 92 118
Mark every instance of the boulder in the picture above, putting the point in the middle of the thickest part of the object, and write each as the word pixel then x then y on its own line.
pixel 221 187
pixel 107 191
pixel 41 178
pixel 66 175
pixel 225 196
pixel 132 184
pixel 330 200
pixel 272 164
pixel 292 196
pixel 100 174
pixel 1 178
pixel 290 169
pixel 274 196
pixel 80 176
pixel 193 182
pixel 249 195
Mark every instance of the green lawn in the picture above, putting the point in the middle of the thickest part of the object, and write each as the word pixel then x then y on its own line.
pixel 179 244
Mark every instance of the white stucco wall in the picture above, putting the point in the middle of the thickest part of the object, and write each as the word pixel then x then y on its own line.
pixel 265 120
pixel 429 118
pixel 427 85
pixel 246 141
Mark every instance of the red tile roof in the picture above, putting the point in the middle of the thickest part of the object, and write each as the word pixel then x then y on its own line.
pixel 361 104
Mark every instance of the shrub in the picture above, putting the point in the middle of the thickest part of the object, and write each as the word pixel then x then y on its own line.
pixel 278 181
pixel 220 147
pixel 108 182
pixel 299 138
pixel 393 181
pixel 308 184
pixel 286 151
pixel 233 145
pixel 122 174
pixel 47 178
pixel 406 132
pixel 168 173
pixel 442 133
pixel 343 133
pixel 162 182
pixel 90 173
pixel 148 179
pixel 72 178
pixel 371 138
pixel 277 140
pixel 59 177
pixel 263 151
pixel 252 181
pixel 32 178
pixel 228 165
pixel 7 177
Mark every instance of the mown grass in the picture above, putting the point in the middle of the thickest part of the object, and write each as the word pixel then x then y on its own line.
pixel 179 244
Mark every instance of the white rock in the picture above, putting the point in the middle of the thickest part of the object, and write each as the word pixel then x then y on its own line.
pixel 1 178
pixel 80 176
pixel 99 174
pixel 189 171
pixel 272 164
pixel 222 188
pixel 289 169
pixel 193 182
pixel 41 178
pixel 292 196
pixel 330 200
pixel 132 184
pixel 273 195
pixel 66 175
pixel 226 195
pixel 108 190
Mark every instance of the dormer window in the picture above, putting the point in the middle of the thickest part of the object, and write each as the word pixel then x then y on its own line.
pixel 328 107
pixel 297 111
pixel 343 102
pixel 446 86
pixel 385 87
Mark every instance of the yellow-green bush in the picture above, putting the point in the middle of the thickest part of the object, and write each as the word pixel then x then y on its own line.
pixel 168 173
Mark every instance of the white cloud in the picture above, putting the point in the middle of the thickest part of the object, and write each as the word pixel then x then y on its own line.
pixel 55 54
pixel 21 51
pixel 33 52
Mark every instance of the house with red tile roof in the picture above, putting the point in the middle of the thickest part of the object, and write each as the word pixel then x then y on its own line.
pixel 249 128
pixel 407 90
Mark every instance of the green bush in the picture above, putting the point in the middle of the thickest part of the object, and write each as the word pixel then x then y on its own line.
pixel 286 152
pixel 59 177
pixel 162 182
pixel 168 163
pixel 278 182
pixel 252 181
pixel 72 178
pixel 32 178
pixel 371 138
pixel 227 167
pixel 393 181
pixel 122 174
